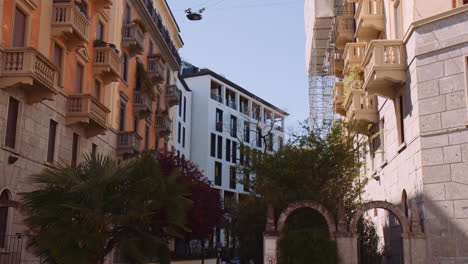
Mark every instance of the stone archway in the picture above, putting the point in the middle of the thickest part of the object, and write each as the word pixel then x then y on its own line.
pixel 307 204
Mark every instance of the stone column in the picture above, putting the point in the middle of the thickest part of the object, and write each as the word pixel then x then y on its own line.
pixel 346 243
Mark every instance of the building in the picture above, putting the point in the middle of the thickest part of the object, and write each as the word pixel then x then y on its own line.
pixel 182 121
pixel 402 69
pixel 226 116
pixel 77 77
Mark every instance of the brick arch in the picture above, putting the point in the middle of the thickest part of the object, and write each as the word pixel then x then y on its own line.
pixel 400 215
pixel 307 204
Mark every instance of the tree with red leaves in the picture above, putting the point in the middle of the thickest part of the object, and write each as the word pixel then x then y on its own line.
pixel 207 210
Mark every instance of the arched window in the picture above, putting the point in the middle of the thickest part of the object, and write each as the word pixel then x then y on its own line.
pixel 5 196
pixel 404 202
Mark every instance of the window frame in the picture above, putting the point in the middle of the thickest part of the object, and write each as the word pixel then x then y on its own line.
pixel 17 125
pixel 52 145
pixel 219 146
pixel 74 161
pixel 218 173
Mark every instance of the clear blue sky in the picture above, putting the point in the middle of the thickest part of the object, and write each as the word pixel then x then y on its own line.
pixel 258 44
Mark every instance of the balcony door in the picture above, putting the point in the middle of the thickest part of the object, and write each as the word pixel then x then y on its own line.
pixel 3 218
pixel 19 29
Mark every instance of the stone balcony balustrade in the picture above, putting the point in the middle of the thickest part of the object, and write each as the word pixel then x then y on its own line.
pixel 107 64
pixel 28 69
pixel 344 30
pixel 163 125
pixel 133 39
pixel 338 98
pixel 103 4
pixel 353 56
pixel 172 95
pixel 384 67
pixel 142 104
pixel 370 19
pixel 128 143
pixel 70 23
pixel 88 112
pixel 155 69
pixel 361 110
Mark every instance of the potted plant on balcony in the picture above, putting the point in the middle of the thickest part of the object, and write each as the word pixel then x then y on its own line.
pixel 140 24
pixel 144 81
pixel 352 81
pixel 157 56
pixel 99 43
pixel 113 47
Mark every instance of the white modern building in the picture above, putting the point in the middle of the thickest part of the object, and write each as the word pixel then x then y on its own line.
pixel 181 116
pixel 226 116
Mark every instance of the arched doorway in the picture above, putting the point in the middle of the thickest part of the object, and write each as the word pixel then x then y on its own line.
pixel 396 233
pixel 4 198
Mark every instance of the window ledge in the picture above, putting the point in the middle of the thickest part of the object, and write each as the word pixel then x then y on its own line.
pixel 12 151
pixel 401 147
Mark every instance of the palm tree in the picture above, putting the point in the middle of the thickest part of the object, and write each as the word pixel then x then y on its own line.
pixel 79 215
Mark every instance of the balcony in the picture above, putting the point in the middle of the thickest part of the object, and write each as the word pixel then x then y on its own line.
pixel 142 104
pixel 103 4
pixel 128 143
pixel 155 69
pixel 344 30
pixel 28 69
pixel 133 39
pixel 217 97
pixel 339 63
pixel 370 19
pixel 85 110
pixel 107 64
pixel 384 67
pixel 231 104
pixel 338 98
pixel 353 56
pixel 361 111
pixel 163 125
pixel 172 95
pixel 70 23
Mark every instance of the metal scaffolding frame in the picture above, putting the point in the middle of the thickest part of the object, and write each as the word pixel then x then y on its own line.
pixel 322 78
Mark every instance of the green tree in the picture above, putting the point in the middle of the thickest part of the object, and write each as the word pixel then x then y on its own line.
pixel 319 165
pixel 79 215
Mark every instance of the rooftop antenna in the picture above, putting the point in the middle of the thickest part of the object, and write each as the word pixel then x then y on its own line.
pixel 194 15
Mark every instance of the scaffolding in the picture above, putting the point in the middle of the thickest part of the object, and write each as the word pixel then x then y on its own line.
pixel 324 74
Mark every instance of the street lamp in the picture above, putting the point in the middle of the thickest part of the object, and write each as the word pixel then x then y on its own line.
pixel 218 251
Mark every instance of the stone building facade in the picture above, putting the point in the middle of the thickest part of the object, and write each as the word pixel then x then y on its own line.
pixel 402 69
pixel 79 77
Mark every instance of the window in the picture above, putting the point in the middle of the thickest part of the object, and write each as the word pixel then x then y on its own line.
pixel 228 149
pixel 135 125
pixel 168 76
pixel 382 140
pixel 122 113
pixel 219 120
pixel 147 137
pixel 398 20
pixel 218 173
pixel 52 141
pixel 12 123
pixel 100 31
pixel 97 90
pixel 234 152
pixel 125 68
pixel 19 29
pixel 185 108
pixel 247 132
pixel 241 155
pixel 270 142
pixel 128 14
pixel 183 137
pixel 5 196
pixel 178 153
pixel 280 142
pixel 179 132
pixel 401 120
pixel 233 126
pixel 79 78
pixel 74 157
pixel 57 60
pixel 246 182
pixel 259 137
pixel 232 177
pixel 150 48
pixel 180 105
pixel 213 145
pixel 93 149
pixel 220 147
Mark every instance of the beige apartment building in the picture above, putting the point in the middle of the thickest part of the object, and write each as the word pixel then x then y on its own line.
pixel 401 68
pixel 79 77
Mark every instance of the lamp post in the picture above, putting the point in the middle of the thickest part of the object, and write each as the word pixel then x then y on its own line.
pixel 218 252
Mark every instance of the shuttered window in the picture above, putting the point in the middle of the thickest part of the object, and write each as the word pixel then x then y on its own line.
pixel 57 60
pixel 19 29
pixel 12 123
pixel 74 157
pixel 52 140
pixel 79 79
